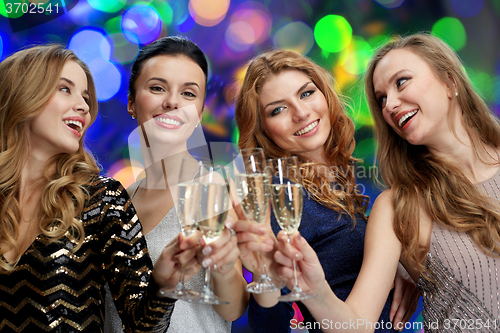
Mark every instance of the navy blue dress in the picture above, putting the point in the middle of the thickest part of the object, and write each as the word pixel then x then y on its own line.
pixel 340 250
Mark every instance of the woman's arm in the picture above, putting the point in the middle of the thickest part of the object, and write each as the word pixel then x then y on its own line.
pixel 126 263
pixel 375 280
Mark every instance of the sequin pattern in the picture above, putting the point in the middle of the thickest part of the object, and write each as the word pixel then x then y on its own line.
pixel 55 289
pixel 462 294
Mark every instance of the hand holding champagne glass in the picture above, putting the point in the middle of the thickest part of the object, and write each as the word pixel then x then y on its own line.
pixel 253 192
pixel 188 198
pixel 214 204
pixel 286 198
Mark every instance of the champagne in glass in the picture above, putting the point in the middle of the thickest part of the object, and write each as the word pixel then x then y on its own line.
pixel 286 197
pixel 215 202
pixel 252 185
pixel 287 206
pixel 187 205
pixel 214 205
pixel 253 191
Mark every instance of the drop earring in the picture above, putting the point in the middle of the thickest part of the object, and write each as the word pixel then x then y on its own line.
pixel 456 94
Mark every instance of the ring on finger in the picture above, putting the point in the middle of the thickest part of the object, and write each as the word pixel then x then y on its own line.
pixel 233 233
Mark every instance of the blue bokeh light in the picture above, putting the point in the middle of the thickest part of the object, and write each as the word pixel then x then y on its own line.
pixel 467 8
pixel 143 22
pixel 89 45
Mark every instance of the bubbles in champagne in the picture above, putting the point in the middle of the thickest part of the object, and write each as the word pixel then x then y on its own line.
pixel 254 194
pixel 213 211
pixel 287 205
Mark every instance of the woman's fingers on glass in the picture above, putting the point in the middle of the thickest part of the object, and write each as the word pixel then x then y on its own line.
pixel 238 209
pixel 263 244
pixel 288 249
pixel 222 253
pixel 226 263
pixel 245 226
pixel 283 259
pixel 189 242
pixel 191 268
pixel 185 256
pixel 284 272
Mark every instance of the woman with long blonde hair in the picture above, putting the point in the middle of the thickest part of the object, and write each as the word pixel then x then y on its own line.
pixel 438 149
pixel 287 105
pixel 65 230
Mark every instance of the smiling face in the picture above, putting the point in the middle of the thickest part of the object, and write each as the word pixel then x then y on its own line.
pixel 170 91
pixel 414 101
pixel 295 114
pixel 60 125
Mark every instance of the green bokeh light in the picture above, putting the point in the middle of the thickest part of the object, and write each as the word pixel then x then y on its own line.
pixel 113 25
pixel 123 50
pixel 359 53
pixel 15 8
pixel 365 148
pixel 333 33
pixel 2 9
pixel 378 40
pixel 164 10
pixel 451 31
pixel 108 6
pixel 359 111
pixel 484 84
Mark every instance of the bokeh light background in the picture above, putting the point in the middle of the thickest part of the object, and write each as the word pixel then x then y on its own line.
pixel 340 35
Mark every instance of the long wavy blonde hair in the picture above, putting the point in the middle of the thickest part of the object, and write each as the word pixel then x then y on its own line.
pixel 419 179
pixel 338 147
pixel 28 80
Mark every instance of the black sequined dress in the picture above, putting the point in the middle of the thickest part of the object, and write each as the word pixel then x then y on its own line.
pixel 57 290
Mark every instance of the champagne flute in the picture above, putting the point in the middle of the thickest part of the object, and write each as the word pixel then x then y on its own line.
pixel 213 183
pixel 253 193
pixel 188 198
pixel 286 197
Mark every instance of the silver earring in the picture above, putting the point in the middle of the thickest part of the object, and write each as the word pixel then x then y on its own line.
pixel 456 94
pixel 133 116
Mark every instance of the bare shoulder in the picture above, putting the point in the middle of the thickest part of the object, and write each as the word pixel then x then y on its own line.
pixel 382 212
pixel 385 200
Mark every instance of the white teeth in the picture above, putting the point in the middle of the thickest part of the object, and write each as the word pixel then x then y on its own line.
pixel 74 122
pixel 168 121
pixel 406 116
pixel 307 129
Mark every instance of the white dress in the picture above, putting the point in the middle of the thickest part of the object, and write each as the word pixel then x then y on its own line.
pixel 187 317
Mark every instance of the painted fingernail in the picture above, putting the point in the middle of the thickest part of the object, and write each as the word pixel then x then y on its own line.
pixel 207 250
pixel 207 262
pixel 229 224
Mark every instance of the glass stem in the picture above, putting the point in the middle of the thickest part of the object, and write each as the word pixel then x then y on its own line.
pixel 296 288
pixel 263 275
pixel 180 285
pixel 207 289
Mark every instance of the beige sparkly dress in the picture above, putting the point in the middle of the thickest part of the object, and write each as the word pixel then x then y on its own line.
pixel 186 317
pixel 464 295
